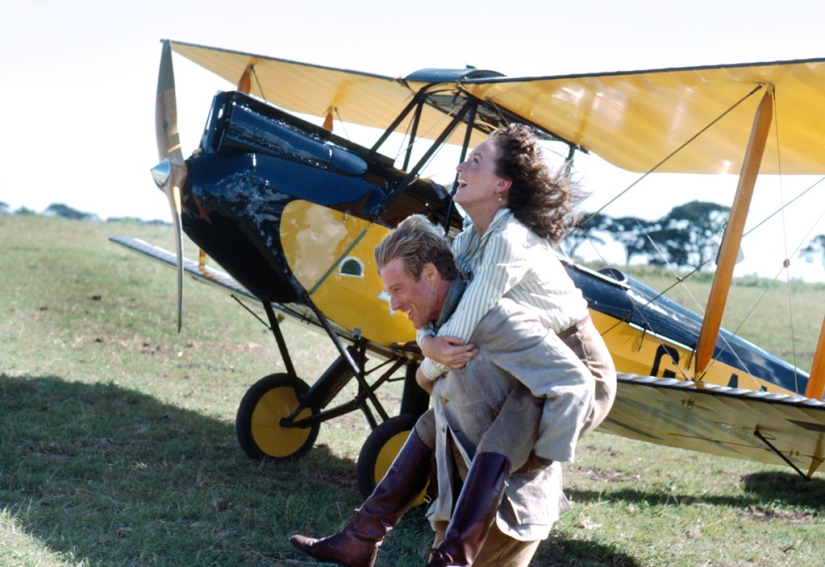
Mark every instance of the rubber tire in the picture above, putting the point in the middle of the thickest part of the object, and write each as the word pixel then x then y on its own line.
pixel 380 450
pixel 257 423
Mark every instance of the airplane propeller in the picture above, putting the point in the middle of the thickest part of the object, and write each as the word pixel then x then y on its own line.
pixel 170 173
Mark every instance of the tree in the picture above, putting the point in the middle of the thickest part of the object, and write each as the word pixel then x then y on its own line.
pixel 586 230
pixel 66 212
pixel 4 208
pixel 814 250
pixel 631 233
pixel 669 246
pixel 690 234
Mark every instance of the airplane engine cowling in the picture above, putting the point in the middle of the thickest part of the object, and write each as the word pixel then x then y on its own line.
pixel 253 161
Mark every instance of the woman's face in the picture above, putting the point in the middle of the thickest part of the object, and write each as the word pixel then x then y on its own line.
pixel 477 179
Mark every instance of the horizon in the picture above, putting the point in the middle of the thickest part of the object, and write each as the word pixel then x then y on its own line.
pixel 607 255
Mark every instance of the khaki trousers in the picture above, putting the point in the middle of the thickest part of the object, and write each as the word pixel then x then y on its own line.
pixel 500 550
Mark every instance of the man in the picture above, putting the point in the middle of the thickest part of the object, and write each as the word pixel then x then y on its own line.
pixel 496 415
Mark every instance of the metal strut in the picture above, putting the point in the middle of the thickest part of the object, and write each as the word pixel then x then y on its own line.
pixel 330 383
pixel 464 147
pixel 412 175
pixel 775 450
pixel 357 369
pixel 279 337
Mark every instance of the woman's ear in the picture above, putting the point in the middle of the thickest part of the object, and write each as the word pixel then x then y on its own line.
pixel 504 184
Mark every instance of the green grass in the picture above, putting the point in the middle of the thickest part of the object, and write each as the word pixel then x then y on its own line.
pixel 119 448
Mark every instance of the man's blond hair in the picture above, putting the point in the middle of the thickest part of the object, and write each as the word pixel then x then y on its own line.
pixel 417 241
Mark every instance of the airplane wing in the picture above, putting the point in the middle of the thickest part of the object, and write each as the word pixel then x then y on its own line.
pixel 230 285
pixel 358 98
pixel 636 119
pixel 633 119
pixel 730 422
pixel 203 274
pixel 676 413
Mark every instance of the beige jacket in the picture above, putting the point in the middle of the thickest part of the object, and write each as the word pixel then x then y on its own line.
pixel 526 390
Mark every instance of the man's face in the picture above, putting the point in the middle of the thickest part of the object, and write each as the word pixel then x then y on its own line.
pixel 418 299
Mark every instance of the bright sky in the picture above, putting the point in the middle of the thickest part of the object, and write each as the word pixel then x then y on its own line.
pixel 78 79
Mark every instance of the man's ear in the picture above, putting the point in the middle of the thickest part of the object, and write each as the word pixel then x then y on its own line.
pixel 429 272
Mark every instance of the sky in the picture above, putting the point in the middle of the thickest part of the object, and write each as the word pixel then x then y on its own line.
pixel 78 79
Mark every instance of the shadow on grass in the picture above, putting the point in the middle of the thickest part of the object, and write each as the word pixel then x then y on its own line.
pixel 790 488
pixel 762 489
pixel 114 477
pixel 574 553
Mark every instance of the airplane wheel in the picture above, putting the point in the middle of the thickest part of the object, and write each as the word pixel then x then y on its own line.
pixel 379 451
pixel 258 423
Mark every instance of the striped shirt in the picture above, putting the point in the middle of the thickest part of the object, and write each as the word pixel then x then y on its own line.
pixel 511 261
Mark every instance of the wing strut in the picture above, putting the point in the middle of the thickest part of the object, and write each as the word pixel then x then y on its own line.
pixel 245 82
pixel 413 134
pixel 413 174
pixel 733 234
pixel 816 383
pixel 762 438
pixel 464 147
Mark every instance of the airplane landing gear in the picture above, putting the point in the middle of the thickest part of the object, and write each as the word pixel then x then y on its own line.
pixel 259 424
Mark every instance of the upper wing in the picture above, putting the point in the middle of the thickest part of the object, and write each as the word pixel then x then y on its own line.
pixel 720 420
pixel 636 119
pixel 357 98
pixel 632 119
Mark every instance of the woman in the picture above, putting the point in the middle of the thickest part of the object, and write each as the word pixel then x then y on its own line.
pixel 518 210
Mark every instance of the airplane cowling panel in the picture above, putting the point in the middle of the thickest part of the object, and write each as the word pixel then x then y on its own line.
pixel 331 255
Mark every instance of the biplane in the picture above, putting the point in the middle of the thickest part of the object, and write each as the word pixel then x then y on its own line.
pixel 292 213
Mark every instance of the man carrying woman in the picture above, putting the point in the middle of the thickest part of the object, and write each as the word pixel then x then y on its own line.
pixel 535 377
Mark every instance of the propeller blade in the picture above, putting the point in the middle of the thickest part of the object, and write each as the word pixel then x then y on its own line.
pixel 170 173
pixel 166 112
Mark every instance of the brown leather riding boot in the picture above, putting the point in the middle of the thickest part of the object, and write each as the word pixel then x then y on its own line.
pixel 357 544
pixel 474 512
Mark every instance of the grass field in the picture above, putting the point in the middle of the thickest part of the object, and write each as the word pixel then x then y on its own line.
pixel 119 449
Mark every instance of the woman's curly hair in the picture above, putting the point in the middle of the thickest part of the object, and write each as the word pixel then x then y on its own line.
pixel 543 200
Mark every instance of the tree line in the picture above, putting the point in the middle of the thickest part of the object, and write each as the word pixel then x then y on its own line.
pixel 687 237
pixel 62 211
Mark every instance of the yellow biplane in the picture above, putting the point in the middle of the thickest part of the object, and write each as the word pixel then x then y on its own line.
pixel 292 212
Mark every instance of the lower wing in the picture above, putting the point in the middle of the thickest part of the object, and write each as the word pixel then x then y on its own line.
pixel 730 422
